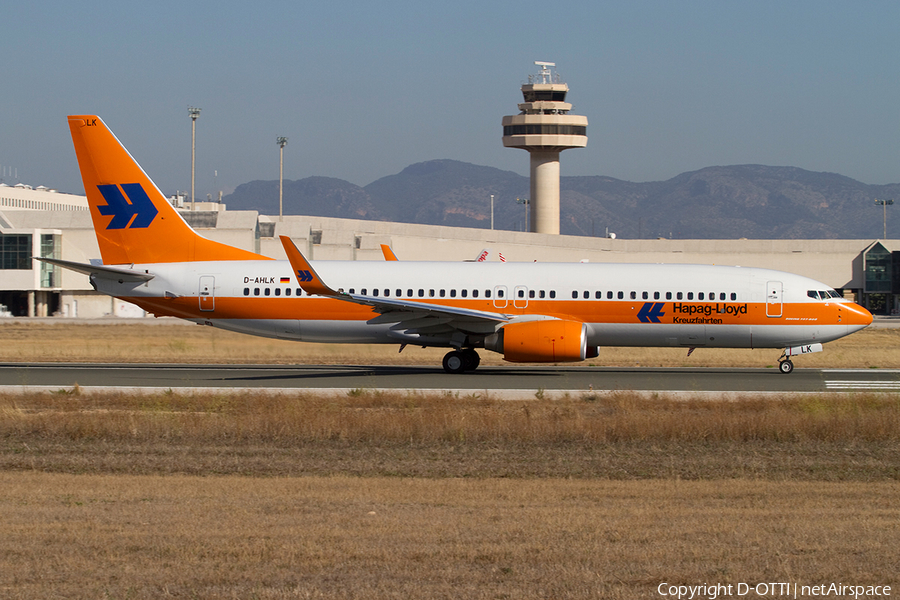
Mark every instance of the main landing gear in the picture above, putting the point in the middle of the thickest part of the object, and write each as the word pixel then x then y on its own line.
pixel 460 361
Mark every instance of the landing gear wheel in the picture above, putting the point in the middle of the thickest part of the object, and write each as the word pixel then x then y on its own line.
pixel 785 366
pixel 471 360
pixel 454 362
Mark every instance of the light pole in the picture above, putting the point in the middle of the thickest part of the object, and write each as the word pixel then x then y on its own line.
pixel 526 203
pixel 194 113
pixel 282 142
pixel 884 204
pixel 492 212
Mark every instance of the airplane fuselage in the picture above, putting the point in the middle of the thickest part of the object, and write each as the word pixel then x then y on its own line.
pixel 620 304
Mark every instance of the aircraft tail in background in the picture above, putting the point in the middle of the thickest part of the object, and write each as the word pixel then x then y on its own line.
pixel 133 221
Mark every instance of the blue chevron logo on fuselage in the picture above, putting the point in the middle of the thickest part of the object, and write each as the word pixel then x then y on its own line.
pixel 651 312
pixel 131 210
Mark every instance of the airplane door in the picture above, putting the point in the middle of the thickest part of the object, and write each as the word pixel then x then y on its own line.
pixel 500 300
pixel 207 293
pixel 774 292
pixel 520 297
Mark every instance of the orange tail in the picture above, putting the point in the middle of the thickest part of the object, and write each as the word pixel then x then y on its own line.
pixel 133 221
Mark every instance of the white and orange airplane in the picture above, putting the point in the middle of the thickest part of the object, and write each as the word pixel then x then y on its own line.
pixel 528 312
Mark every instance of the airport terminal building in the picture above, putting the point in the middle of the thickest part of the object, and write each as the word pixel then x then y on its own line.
pixel 43 223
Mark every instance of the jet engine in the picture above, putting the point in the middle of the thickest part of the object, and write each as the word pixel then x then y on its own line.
pixel 549 340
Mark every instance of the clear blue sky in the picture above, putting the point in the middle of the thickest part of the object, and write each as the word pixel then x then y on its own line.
pixel 364 89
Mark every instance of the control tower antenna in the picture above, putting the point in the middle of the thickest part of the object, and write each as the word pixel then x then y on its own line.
pixel 545 128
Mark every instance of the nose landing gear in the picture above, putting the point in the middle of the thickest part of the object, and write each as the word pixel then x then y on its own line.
pixel 784 362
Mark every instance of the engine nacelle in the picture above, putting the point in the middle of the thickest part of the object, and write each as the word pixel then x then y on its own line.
pixel 540 341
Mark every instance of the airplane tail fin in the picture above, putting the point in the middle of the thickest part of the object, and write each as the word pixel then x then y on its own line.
pixel 133 221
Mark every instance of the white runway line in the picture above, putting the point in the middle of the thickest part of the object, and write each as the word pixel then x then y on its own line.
pixel 851 384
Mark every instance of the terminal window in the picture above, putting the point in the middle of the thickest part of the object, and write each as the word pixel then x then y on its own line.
pixel 15 252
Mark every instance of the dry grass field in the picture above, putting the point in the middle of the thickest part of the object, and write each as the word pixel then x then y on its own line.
pixel 176 341
pixel 373 434
pixel 374 495
pixel 69 536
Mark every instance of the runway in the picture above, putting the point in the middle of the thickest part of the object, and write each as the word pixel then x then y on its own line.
pixel 506 381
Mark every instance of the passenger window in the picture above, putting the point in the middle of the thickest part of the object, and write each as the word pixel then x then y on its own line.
pixel 656 295
pixel 246 291
pixel 363 291
pixel 634 295
pixel 531 293
pixel 300 292
pixel 409 293
pixel 598 295
pixel 721 295
pixel 644 296
pixel 542 294
pixel 443 293
pixel 609 295
pixel 421 293
pixel 700 296
pixel 499 293
pixel 431 293
pixel 453 293
pixel 679 295
pixel 691 296
pixel 287 292
pixel 268 292
pixel 256 291
pixel 487 293
pixel 621 295
pixel 277 291
pixel 474 293
pixel 464 293
pixel 733 296
pixel 574 295
pixel 586 295
pixel 375 291
pixel 521 293
pixel 553 293
pixel 668 295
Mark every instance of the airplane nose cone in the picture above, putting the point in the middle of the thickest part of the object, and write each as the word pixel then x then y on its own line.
pixel 855 317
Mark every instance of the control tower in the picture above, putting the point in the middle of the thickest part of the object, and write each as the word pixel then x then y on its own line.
pixel 545 128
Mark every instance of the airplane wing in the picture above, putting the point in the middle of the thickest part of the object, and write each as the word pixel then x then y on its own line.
pixel 100 271
pixel 410 317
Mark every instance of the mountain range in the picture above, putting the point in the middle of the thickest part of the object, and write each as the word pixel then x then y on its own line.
pixel 739 201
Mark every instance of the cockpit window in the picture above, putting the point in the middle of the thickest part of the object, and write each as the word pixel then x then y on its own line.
pixel 823 294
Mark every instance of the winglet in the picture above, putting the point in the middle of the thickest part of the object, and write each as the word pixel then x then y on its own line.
pixel 306 276
pixel 388 253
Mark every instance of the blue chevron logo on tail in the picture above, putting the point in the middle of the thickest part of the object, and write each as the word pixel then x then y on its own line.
pixel 304 276
pixel 135 211
pixel 651 312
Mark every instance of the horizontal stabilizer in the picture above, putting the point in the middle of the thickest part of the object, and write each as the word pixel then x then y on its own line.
pixel 101 271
